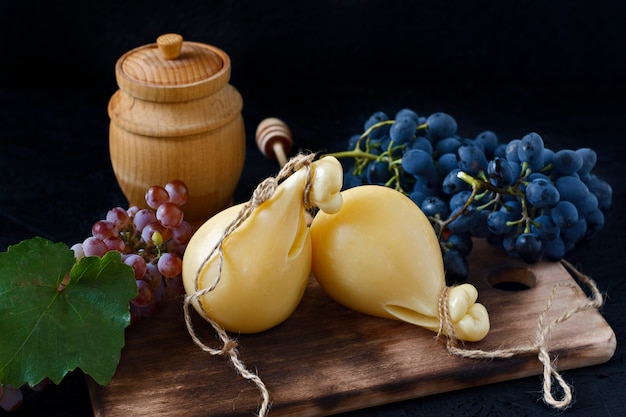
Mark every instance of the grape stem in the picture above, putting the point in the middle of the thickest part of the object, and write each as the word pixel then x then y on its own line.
pixel 477 184
pixel 355 153
pixel 480 184
pixel 363 157
pixel 443 224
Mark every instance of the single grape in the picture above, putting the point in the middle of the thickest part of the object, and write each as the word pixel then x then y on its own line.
pixel 378 172
pixel 92 246
pixel 452 184
pixel 155 196
pixel 169 215
pixel 508 244
pixel 132 210
pixel 566 162
pixel 544 227
pixel 143 218
pixel 576 232
pixel 115 243
pixel 517 170
pixel 595 222
pixel 488 141
pixel 446 163
pixel 472 159
pixel 178 192
pixel 407 113
pixel 403 130
pixel 144 294
pixel 148 232
pixel 511 153
pixel 170 265
pixel 447 145
pixel 602 190
pixel 537 175
pixel 587 204
pixel 459 199
pixel 119 217
pixel 77 248
pixel 461 242
pixel 564 214
pixel 542 194
pixel 441 125
pixel 530 150
pixel 500 172
pixel 553 250
pixel 465 221
pixel 350 180
pixel 433 206
pixel 497 222
pixel 353 141
pixel 152 276
pixel 103 229
pixel 10 398
pixel 571 188
pixel 500 151
pixel 528 246
pixel 422 143
pixel 418 162
pixel 151 308
pixel 175 284
pixel 158 292
pixel 182 233
pixel 418 197
pixel 480 228
pixel 423 184
pixel 157 238
pixel 178 249
pixel 548 157
pixel 514 207
pixel 589 158
pixel 137 263
pixel 376 118
pixel 456 267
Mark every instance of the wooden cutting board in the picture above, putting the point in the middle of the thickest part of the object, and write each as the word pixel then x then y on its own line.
pixel 326 359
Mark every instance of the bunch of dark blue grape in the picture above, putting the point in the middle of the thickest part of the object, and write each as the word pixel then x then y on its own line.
pixel 532 201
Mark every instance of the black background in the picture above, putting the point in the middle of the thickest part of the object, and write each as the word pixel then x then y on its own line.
pixel 557 68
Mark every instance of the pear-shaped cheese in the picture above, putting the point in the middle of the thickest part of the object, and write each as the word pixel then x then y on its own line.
pixel 266 260
pixel 379 255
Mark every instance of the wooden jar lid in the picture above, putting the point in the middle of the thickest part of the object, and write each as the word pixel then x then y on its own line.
pixel 171 70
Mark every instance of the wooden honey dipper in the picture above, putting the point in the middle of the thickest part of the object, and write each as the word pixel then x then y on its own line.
pixel 274 139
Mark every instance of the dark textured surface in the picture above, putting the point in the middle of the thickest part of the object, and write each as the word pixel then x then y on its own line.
pixel 557 68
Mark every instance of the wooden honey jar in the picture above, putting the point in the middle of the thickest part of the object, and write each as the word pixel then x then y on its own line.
pixel 175 116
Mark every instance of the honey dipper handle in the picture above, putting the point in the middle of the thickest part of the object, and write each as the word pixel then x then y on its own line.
pixel 274 139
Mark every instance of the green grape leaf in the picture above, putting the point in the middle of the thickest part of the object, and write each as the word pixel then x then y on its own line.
pixel 50 325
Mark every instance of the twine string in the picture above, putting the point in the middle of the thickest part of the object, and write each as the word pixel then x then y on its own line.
pixel 261 193
pixel 447 334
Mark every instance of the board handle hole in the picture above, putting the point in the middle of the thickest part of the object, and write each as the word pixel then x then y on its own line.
pixel 512 279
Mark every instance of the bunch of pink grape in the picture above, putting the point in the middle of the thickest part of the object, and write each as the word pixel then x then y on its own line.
pixel 152 241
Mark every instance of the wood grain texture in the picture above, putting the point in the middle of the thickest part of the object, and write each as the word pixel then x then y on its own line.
pixel 326 359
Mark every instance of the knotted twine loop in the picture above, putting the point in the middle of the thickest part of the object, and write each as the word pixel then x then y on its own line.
pixel 540 347
pixel 262 193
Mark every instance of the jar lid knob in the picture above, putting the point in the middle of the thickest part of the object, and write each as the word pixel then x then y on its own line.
pixel 170 45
